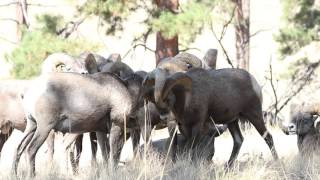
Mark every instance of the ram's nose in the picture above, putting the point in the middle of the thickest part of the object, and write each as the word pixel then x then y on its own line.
pixel 164 117
pixel 84 72
pixel 292 128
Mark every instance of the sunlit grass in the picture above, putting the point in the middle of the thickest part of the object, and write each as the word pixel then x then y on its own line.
pixel 252 163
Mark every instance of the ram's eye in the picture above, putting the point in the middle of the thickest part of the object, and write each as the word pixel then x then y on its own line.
pixel 189 66
pixel 60 67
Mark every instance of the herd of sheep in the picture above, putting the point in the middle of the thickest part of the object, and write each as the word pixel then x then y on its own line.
pixel 105 97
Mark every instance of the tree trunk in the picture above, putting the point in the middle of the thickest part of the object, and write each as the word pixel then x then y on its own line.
pixel 22 17
pixel 242 30
pixel 166 47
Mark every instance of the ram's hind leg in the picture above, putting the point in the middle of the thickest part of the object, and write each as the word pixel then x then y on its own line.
pixel 4 137
pixel 237 142
pixel 93 142
pixel 29 132
pixel 256 119
pixel 116 143
pixel 75 158
pixel 102 141
pixel 50 143
pixel 37 140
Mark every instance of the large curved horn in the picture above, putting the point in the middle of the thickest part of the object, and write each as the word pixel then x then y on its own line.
pixel 172 66
pixel 90 63
pixel 148 84
pixel 313 109
pixel 58 62
pixel 149 79
pixel 210 59
pixel 160 79
pixel 190 59
pixel 175 80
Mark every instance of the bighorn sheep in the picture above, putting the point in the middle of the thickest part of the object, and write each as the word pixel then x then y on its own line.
pixel 74 103
pixel 113 65
pixel 304 122
pixel 224 94
pixel 183 61
pixel 180 63
pixel 11 110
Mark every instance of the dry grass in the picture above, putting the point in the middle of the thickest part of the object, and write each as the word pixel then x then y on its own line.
pixel 254 162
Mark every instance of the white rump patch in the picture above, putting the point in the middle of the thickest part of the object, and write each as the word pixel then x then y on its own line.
pixel 35 90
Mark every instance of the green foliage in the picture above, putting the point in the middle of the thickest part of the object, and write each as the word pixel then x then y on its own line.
pixel 302 19
pixel 187 24
pixel 50 23
pixel 36 45
pixel 113 12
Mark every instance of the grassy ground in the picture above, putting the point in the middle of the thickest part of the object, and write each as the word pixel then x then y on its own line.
pixel 254 162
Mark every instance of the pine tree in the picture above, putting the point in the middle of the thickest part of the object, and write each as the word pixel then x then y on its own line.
pixel 172 23
pixel 301 25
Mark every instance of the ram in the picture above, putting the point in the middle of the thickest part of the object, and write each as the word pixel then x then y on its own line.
pixel 113 64
pixel 304 123
pixel 11 110
pixel 73 142
pixel 224 94
pixel 74 103
pixel 182 62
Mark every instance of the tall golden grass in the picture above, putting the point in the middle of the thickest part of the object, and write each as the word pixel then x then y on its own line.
pixel 254 162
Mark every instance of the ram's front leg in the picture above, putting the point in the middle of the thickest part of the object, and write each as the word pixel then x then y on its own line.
pixel 102 141
pixel 145 130
pixel 116 143
pixel 172 141
pixel 135 138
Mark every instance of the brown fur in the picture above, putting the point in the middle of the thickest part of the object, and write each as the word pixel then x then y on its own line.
pixel 302 119
pixel 74 103
pixel 224 94
pixel 11 110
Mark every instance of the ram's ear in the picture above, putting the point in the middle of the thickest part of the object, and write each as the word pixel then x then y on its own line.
pixel 90 63
pixel 114 57
pixel 210 58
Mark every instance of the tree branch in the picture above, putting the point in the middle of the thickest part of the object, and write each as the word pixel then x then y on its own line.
pixel 308 77
pixel 273 89
pixel 9 4
pixel 7 40
pixel 70 27
pixel 10 19
pixel 40 5
pixel 221 45
pixel 135 46
pixel 225 26
pixel 259 31
pixel 144 36
pixel 301 79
